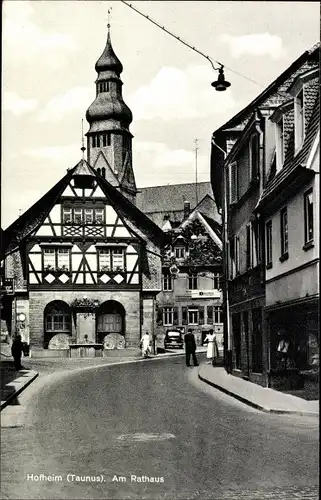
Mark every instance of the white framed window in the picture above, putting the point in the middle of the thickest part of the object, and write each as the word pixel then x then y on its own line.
pixel 168 316
pixel 89 215
pixel 104 259
pixel 67 215
pixel 49 258
pixel 249 248
pixel 308 217
pixel 192 316
pixel 237 254
pixel 180 252
pixel 254 154
pixel 118 259
pixel 233 182
pixel 217 281
pixel 279 140
pixel 63 258
pixel 78 215
pixel 268 243
pixel 298 121
pixel 192 282
pixel 217 314
pixel 167 282
pixel 284 230
pixel 99 215
pixel 56 259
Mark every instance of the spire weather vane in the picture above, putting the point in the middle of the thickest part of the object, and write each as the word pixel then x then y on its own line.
pixel 83 149
pixel 109 17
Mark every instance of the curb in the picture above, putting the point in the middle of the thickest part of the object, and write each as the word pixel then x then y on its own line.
pixel 257 406
pixel 15 393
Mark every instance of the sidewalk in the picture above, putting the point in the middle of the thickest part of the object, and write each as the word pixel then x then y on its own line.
pixel 261 398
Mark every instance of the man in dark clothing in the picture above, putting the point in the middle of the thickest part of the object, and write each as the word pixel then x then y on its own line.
pixel 16 351
pixel 190 348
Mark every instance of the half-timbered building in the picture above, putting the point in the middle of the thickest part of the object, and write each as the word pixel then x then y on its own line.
pixel 84 261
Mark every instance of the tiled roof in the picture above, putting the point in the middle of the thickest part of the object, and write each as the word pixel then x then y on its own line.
pixel 291 162
pixel 28 222
pixel 170 198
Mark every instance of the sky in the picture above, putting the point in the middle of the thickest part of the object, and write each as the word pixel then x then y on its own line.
pixel 49 50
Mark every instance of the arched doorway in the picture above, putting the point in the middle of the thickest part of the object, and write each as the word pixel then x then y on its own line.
pixel 110 325
pixel 57 325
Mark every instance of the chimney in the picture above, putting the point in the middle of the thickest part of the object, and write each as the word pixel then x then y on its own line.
pixel 187 209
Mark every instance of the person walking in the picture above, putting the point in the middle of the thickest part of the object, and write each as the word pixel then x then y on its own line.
pixel 145 345
pixel 212 348
pixel 16 351
pixel 190 348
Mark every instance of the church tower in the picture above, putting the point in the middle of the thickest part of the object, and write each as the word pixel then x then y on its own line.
pixel 109 141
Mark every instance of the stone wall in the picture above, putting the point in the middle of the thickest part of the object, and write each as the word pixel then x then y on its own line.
pixel 39 299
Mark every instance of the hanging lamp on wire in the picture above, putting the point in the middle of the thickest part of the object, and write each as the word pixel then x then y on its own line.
pixel 221 84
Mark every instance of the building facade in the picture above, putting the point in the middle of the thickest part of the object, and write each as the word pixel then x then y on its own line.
pixel 84 262
pixel 245 155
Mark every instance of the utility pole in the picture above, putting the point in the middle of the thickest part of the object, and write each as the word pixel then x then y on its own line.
pixel 196 187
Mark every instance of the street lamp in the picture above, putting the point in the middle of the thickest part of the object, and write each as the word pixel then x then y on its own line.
pixel 227 352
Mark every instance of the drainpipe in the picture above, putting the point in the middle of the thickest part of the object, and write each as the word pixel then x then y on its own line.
pixel 227 339
pixel 153 328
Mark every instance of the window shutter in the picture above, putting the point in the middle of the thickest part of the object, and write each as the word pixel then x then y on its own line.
pixel 201 315
pixel 159 316
pixel 233 182
pixel 209 315
pixel 175 315
pixel 184 315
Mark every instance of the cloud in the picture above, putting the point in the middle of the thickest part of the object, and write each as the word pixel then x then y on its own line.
pixel 176 94
pixel 255 44
pixel 20 31
pixel 18 105
pixel 69 154
pixel 155 163
pixel 75 99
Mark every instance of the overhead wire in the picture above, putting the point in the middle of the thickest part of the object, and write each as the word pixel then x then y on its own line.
pixel 211 60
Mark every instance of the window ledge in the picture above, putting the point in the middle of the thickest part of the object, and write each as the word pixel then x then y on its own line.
pixel 269 265
pixel 308 245
pixel 284 257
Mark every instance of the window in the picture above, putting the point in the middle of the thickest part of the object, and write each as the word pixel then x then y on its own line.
pixel 192 282
pixel 167 282
pixel 299 120
pixel 233 183
pixel 192 316
pixel 217 282
pixel 56 259
pixel 248 247
pixel 111 259
pixel 94 141
pixel 78 215
pixel 217 314
pixel 57 319
pixel 268 229
pixel 63 258
pixel 89 215
pixel 98 141
pixel 118 259
pixel 284 231
pixel 49 258
pixel 279 144
pixel 104 258
pixel 67 215
pixel 237 254
pixel 106 140
pixel 168 316
pixel 233 257
pixel 254 157
pixel 308 217
pixel 179 252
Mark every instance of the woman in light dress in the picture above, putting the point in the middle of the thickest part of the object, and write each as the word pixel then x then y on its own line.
pixel 145 345
pixel 212 349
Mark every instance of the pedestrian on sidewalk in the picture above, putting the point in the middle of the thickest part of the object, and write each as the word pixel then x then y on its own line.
pixel 16 351
pixel 190 348
pixel 145 340
pixel 212 348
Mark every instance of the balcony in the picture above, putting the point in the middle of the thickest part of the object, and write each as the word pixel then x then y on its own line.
pixel 206 294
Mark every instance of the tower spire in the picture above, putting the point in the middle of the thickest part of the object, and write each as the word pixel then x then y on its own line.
pixel 83 149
